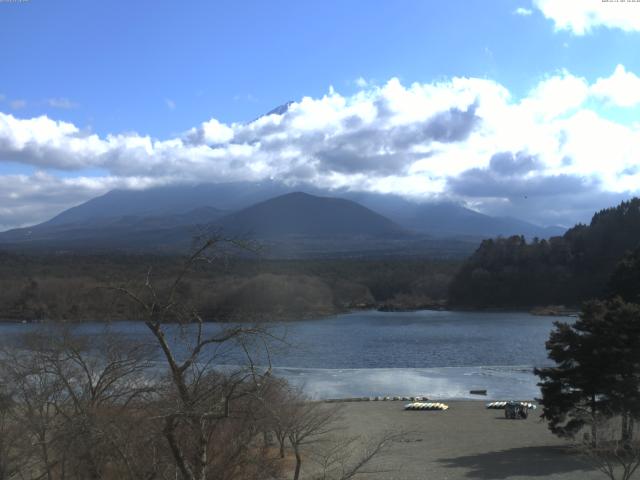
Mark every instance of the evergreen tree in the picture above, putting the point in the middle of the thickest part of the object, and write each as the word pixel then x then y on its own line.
pixel 597 371
pixel 625 280
pixel 562 270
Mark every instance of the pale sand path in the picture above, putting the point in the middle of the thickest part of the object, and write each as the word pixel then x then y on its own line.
pixel 466 442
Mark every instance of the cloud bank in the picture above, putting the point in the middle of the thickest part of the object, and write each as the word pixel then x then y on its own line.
pixel 523 12
pixel 463 138
pixel 581 17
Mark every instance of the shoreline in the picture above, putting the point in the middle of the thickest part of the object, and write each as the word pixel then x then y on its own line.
pixel 418 398
pixel 434 383
pixel 534 311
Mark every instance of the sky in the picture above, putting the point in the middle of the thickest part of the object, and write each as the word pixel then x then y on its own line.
pixel 526 108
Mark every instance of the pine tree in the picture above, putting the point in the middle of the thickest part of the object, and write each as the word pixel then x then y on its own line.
pixel 625 280
pixel 597 371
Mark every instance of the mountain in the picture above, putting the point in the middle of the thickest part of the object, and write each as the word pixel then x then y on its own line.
pixel 165 218
pixel 448 219
pixel 309 215
pixel 128 232
pixel 290 225
pixel 442 219
pixel 169 200
pixel 280 109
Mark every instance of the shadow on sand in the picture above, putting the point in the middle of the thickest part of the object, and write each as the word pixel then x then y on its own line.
pixel 524 461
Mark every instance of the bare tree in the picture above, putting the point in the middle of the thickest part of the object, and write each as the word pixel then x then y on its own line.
pixel 102 407
pixel 347 458
pixel 200 398
pixel 308 423
pixel 37 396
pixel 10 458
pixel 616 457
pixel 275 400
pixel 78 402
pixel 312 429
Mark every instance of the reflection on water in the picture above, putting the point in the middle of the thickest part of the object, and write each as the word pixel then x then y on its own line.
pixel 440 354
pixel 435 383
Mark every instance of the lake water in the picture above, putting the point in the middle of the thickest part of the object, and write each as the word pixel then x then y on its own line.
pixel 440 354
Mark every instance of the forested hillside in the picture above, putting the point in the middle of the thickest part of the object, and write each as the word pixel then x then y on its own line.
pixel 70 287
pixel 511 272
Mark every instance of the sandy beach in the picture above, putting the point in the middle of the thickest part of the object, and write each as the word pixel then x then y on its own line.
pixel 467 441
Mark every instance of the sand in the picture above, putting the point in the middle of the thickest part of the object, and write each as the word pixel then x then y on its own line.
pixel 467 441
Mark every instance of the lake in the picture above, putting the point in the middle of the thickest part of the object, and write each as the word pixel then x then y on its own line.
pixel 440 354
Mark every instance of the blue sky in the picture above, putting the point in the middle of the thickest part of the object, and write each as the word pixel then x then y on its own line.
pixel 121 61
pixel 162 69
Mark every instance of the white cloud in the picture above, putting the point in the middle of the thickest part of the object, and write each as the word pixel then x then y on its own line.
pixel 171 105
pixel 621 89
pixel 361 82
pixel 557 95
pixel 212 132
pixel 29 199
pixel 409 139
pixel 524 12
pixel 583 16
pixel 61 102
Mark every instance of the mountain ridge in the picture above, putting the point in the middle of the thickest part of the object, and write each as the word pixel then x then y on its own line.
pixel 164 217
pixel 234 196
pixel 300 213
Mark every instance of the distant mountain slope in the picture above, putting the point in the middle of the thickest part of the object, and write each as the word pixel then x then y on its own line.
pixel 166 217
pixel 451 219
pixel 279 110
pixel 308 215
pixel 445 219
pixel 442 219
pixel 124 232
pixel 169 200
pixel 295 225
pixel 511 272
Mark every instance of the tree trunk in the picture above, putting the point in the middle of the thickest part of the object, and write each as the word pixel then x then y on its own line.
pixel 296 474
pixel 627 428
pixel 202 450
pixel 169 433
pixel 92 468
pixel 45 457
pixel 594 423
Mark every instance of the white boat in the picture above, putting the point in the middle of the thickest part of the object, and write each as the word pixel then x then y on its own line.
pixel 503 404
pixel 426 406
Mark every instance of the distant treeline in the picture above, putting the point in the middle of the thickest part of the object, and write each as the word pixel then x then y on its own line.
pixel 511 272
pixel 69 287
